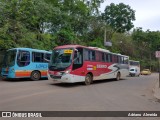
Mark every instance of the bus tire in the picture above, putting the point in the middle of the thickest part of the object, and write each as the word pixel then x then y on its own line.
pixel 118 77
pixel 88 79
pixel 35 75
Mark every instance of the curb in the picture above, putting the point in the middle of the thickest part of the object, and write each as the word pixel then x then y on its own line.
pixel 156 90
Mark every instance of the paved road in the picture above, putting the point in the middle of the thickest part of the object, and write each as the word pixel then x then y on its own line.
pixel 130 94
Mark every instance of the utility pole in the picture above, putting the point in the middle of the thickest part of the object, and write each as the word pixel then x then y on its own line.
pixel 158 56
pixel 105 34
pixel 159 70
pixel 107 43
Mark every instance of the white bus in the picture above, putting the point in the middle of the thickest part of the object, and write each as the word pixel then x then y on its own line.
pixel 134 68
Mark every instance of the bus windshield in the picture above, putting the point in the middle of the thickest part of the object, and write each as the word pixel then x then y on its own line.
pixel 9 58
pixel 61 59
pixel 135 63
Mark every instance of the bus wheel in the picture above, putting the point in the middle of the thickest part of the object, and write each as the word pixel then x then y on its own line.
pixel 35 75
pixel 88 79
pixel 118 76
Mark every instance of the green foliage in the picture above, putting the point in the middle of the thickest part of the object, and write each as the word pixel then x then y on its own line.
pixel 97 43
pixel 119 17
pixel 32 23
pixel 7 44
pixel 64 37
pixel 123 44
pixel 22 23
pixel 45 24
pixel 147 42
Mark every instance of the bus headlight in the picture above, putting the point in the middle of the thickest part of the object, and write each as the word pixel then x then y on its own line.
pixel 67 72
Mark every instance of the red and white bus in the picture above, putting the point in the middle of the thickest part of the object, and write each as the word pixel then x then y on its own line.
pixel 76 63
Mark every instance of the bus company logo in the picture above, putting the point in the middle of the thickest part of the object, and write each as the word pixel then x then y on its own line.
pixel 101 66
pixel 41 66
pixel 89 67
pixel 6 114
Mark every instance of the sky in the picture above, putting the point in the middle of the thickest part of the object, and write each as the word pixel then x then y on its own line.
pixel 147 12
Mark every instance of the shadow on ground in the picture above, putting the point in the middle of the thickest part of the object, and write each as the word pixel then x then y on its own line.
pixel 68 85
pixel 20 80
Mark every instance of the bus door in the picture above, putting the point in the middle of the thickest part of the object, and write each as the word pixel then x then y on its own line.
pixel 78 61
pixel 23 62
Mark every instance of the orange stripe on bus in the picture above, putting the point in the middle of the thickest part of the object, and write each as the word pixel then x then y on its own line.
pixel 44 73
pixel 28 73
pixel 23 73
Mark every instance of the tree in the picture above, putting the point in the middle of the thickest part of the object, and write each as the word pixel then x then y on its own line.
pixel 146 45
pixel 70 15
pixel 22 22
pixel 119 17
pixel 93 5
pixel 123 44
pixel 64 37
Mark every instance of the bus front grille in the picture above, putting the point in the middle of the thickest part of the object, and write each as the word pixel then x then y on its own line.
pixel 55 77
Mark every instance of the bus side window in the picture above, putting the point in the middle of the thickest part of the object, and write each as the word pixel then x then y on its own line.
pixel 89 55
pixel 38 57
pixel 125 60
pixel 103 59
pixel 23 58
pixel 108 57
pixel 93 56
pixel 100 56
pixel 47 57
pixel 115 58
pixel 86 54
pixel 120 59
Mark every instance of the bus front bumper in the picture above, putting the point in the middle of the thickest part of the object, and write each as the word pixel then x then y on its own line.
pixel 67 78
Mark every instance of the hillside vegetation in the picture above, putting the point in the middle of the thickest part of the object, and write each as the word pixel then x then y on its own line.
pixel 45 24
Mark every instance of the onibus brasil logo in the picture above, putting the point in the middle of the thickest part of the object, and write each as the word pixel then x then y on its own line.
pixel 21 114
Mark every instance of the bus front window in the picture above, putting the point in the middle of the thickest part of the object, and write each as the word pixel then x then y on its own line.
pixel 61 59
pixel 9 58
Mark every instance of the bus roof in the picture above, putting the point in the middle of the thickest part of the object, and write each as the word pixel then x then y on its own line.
pixel 89 47
pixel 75 46
pixel 68 46
pixel 100 49
pixel 37 50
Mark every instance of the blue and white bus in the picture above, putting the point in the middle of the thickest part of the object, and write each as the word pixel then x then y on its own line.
pixel 25 63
